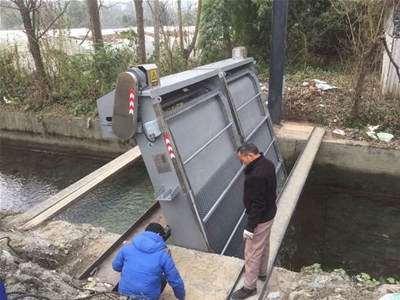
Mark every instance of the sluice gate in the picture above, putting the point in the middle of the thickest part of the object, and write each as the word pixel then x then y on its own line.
pixel 188 127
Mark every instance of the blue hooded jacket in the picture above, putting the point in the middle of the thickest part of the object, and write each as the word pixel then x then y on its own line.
pixel 142 265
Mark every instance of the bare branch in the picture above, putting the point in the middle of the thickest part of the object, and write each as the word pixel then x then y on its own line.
pixel 390 56
pixel 33 7
pixel 196 30
pixel 55 20
pixel 8 6
pixel 87 34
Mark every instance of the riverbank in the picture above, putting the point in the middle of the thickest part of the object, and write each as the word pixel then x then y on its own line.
pixel 67 247
pixel 46 261
pixel 82 136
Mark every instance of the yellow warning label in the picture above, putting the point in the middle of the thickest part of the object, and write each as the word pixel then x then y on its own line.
pixel 154 77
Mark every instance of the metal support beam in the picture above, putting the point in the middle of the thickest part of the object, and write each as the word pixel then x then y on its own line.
pixel 277 59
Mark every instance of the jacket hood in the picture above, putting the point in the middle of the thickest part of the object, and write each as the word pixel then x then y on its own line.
pixel 149 242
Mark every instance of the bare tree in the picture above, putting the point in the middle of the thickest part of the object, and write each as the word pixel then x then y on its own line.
pixel 140 29
pixel 185 47
pixel 366 23
pixel 159 14
pixel 95 26
pixel 187 51
pixel 180 29
pixel 156 23
pixel 29 10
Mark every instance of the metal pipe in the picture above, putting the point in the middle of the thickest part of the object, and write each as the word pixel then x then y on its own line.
pixel 198 217
pixel 269 146
pixel 206 144
pixel 237 75
pixel 193 103
pixel 214 207
pixel 257 127
pixel 251 99
pixel 233 232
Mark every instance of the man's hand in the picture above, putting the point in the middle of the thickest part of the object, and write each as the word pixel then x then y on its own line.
pixel 247 234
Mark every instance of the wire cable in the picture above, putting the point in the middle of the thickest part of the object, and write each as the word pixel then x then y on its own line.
pixel 30 296
pixel 11 247
pixel 25 295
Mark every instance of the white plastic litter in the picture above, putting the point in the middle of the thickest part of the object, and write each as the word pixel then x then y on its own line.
pixel 305 83
pixel 373 128
pixel 371 131
pixel 384 136
pixel 319 81
pixel 273 295
pixel 339 131
pixel 395 296
pixel 322 85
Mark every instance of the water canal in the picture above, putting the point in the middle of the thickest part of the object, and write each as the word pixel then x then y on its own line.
pixel 29 177
pixel 343 220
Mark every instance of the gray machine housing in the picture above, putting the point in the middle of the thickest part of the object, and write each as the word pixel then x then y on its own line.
pixel 189 127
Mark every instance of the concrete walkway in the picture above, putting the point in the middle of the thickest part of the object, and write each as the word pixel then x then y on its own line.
pixel 206 275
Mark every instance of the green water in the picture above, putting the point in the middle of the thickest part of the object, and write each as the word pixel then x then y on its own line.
pixel 343 220
pixel 30 177
pixel 346 220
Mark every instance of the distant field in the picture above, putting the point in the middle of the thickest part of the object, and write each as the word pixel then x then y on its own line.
pixel 18 37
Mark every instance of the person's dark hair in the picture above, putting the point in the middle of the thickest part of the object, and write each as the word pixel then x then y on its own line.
pixel 156 228
pixel 247 148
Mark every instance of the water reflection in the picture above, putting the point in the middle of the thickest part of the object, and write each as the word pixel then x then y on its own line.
pixel 30 177
pixel 344 221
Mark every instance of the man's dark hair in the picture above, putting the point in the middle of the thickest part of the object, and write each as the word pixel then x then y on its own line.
pixel 247 148
pixel 156 228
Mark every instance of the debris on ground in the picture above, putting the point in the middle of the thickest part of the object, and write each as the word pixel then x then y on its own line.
pixel 323 85
pixel 47 260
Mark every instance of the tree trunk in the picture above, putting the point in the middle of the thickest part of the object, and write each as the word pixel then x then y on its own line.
pixel 94 16
pixel 363 67
pixel 180 29
pixel 360 78
pixel 227 38
pixel 156 21
pixel 186 52
pixel 33 40
pixel 140 29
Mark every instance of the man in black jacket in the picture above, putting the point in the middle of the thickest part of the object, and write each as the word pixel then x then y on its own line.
pixel 259 196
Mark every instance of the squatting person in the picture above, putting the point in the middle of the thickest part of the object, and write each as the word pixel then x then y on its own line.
pixel 146 266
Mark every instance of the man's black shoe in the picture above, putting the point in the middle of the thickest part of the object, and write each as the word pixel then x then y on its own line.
pixel 262 278
pixel 243 293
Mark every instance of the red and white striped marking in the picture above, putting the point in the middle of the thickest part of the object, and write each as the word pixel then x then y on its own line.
pixel 131 101
pixel 169 146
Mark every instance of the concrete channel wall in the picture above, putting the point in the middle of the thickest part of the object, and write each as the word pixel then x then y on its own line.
pixel 83 136
pixel 75 135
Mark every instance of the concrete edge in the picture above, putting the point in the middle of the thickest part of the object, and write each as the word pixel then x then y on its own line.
pixel 83 137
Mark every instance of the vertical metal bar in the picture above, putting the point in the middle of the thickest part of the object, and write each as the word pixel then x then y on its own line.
pixel 279 20
pixel 232 107
pixel 179 169
pixel 198 217
pixel 177 162
pixel 233 233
